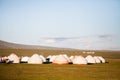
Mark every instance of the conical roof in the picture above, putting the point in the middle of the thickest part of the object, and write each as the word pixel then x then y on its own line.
pixel 97 60
pixel 60 59
pixel 43 58
pixel 68 59
pixel 14 58
pixel 35 59
pixel 90 59
pixel 102 59
pixel 52 58
pixel 79 60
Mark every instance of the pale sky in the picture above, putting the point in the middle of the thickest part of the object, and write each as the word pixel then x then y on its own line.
pixel 80 24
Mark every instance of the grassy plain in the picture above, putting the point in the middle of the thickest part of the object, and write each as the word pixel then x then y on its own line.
pixel 107 71
pixel 30 52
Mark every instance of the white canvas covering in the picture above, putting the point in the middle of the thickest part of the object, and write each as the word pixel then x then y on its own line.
pixel 102 59
pixel 43 58
pixel 97 60
pixel 90 59
pixel 67 57
pixel 24 59
pixel 35 59
pixel 53 58
pixel 71 58
pixel 14 58
pixel 4 59
pixel 79 60
pixel 60 59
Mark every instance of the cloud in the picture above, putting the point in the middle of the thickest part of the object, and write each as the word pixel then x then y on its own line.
pixel 82 39
pixel 105 36
pixel 58 39
pixel 50 41
pixel 114 47
pixel 102 41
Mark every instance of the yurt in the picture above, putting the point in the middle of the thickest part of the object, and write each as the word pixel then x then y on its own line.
pixel 79 60
pixel 60 59
pixel 102 59
pixel 4 59
pixel 14 58
pixel 43 58
pixel 35 59
pixel 97 60
pixel 71 58
pixel 67 57
pixel 24 59
pixel 90 59
pixel 53 58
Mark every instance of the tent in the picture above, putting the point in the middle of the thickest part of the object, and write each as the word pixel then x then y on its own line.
pixel 43 58
pixel 97 60
pixel 14 58
pixel 24 59
pixel 90 59
pixel 50 58
pixel 53 58
pixel 4 59
pixel 71 58
pixel 79 60
pixel 67 57
pixel 35 59
pixel 102 59
pixel 60 59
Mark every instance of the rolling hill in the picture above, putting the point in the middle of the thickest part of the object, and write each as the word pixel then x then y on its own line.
pixel 8 45
pixel 7 48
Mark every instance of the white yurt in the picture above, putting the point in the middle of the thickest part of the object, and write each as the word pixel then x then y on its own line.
pixel 24 59
pixel 35 59
pixel 79 60
pixel 4 59
pixel 53 58
pixel 102 59
pixel 71 58
pixel 43 58
pixel 90 59
pixel 60 59
pixel 67 57
pixel 97 60
pixel 14 58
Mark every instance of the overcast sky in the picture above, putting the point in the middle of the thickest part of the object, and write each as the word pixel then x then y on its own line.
pixel 80 24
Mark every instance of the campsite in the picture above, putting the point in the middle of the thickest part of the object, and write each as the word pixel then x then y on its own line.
pixel 23 71
pixel 59 39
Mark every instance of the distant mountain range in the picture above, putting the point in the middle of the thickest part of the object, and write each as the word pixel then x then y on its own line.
pixel 8 45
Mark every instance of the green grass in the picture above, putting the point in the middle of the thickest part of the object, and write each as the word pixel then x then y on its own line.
pixel 107 71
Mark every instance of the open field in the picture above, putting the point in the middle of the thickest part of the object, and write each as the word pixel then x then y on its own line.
pixel 30 52
pixel 107 71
